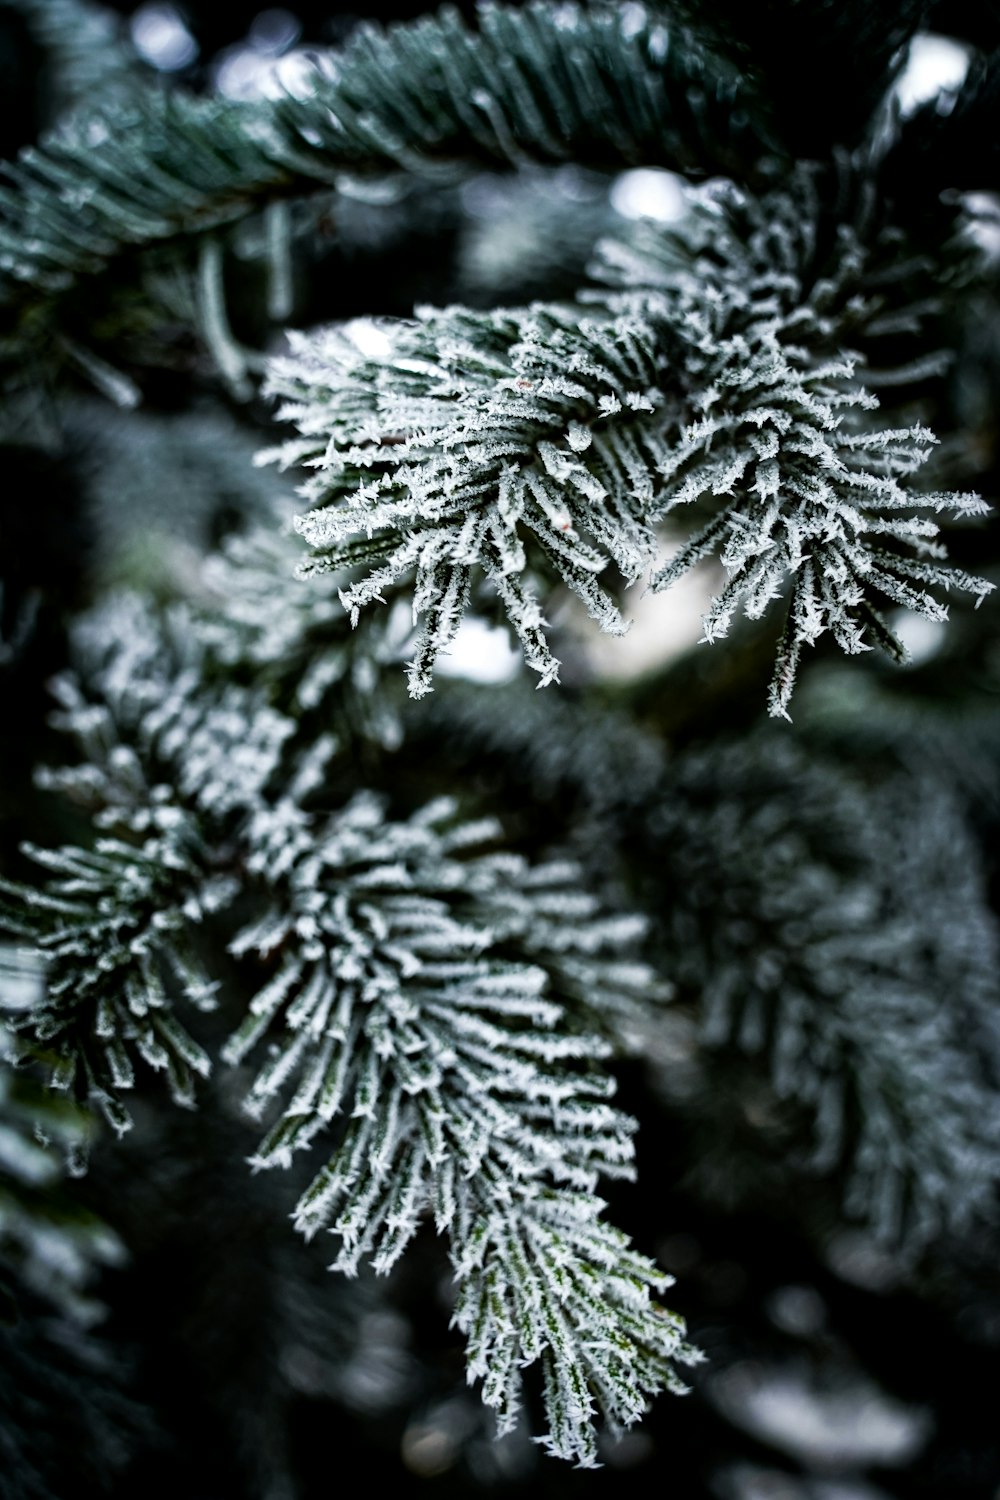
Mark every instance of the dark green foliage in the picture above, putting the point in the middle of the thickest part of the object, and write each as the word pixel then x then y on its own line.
pixel 67 1422
pixel 854 949
pixel 589 86
pixel 825 65
pixel 953 149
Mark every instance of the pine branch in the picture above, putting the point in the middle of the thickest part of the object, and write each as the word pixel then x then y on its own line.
pixel 86 53
pixel 544 1279
pixel 713 381
pixel 540 84
pixel 112 923
pixel 294 641
pixel 811 491
pixel 854 953
pixel 408 998
pixel 442 1014
pixel 152 681
pixel 175 765
pixel 475 433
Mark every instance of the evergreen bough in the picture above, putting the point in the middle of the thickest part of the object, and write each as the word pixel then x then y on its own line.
pixel 424 996
pixel 438 1012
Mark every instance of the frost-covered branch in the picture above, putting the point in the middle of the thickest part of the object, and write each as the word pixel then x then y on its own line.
pixel 798 492
pixel 113 922
pixel 438 1013
pixel 535 440
pixel 474 435
pixel 414 1009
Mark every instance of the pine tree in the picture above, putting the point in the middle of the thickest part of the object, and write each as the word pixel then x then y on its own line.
pixel 351 391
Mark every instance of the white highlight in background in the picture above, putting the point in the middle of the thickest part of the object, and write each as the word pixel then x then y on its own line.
pixel 274 31
pixel 649 193
pixel 480 653
pixel 161 38
pixel 935 69
pixel 922 638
